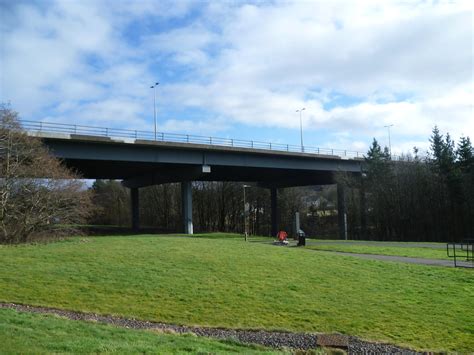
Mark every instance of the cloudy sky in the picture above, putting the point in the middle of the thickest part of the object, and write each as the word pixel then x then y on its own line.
pixel 241 69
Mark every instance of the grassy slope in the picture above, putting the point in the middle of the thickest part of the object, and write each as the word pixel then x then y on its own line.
pixel 427 253
pixel 230 283
pixel 34 333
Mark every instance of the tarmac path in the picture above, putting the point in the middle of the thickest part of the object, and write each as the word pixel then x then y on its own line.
pixel 380 244
pixel 404 259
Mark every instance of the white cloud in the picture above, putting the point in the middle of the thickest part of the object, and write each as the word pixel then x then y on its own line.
pixel 202 128
pixel 355 66
pixel 277 55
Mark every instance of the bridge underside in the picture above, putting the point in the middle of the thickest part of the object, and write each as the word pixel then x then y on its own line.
pixel 135 175
pixel 153 163
pixel 139 174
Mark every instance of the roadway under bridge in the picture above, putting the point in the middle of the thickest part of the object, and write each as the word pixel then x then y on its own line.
pixel 139 163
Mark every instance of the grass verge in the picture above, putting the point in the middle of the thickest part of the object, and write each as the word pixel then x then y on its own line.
pixel 412 252
pixel 26 333
pixel 225 282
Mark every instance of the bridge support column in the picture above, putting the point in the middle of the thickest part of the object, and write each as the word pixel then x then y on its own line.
pixel 134 197
pixel 274 208
pixel 341 211
pixel 187 206
pixel 363 211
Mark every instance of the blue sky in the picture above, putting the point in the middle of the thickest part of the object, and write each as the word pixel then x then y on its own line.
pixel 241 69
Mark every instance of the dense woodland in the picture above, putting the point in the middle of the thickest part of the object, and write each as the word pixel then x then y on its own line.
pixel 411 198
pixel 415 198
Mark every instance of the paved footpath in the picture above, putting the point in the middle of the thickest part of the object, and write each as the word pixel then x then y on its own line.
pixel 400 259
pixel 404 259
pixel 380 244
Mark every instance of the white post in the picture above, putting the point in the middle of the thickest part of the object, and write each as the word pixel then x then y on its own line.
pixel 297 223
pixel 345 225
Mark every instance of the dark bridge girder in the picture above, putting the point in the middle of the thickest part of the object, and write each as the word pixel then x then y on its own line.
pixel 264 177
pixel 145 163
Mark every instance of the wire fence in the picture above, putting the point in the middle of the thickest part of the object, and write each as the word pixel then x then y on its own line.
pixel 137 135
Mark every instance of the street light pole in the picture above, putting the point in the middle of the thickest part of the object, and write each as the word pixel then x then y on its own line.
pixel 245 215
pixel 389 142
pixel 301 127
pixel 154 103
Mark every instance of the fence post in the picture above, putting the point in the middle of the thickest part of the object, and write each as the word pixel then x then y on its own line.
pixel 251 143
pixel 287 148
pixel 75 129
pixel 106 132
pixel 210 140
pixel 270 146
pixel 187 138
pixel 232 142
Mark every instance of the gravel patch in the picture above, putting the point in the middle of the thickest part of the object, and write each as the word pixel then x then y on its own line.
pixel 357 346
pixel 272 339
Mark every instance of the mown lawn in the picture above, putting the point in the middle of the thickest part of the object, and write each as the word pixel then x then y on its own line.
pixel 24 333
pixel 225 282
pixel 413 252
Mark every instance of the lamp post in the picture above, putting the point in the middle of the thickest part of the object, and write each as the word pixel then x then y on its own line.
pixel 301 127
pixel 389 142
pixel 245 214
pixel 154 103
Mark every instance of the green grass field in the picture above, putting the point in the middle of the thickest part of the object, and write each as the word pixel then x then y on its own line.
pixel 221 281
pixel 24 333
pixel 413 252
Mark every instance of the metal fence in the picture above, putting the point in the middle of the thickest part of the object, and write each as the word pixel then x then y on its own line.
pixel 64 128
pixel 462 253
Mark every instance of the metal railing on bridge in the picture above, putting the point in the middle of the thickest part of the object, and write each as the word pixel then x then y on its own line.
pixel 64 128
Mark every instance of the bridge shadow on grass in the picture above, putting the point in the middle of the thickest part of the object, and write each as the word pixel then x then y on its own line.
pixel 111 230
pixel 119 231
pixel 227 236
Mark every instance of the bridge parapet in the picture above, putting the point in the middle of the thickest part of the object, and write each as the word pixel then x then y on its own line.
pixel 71 131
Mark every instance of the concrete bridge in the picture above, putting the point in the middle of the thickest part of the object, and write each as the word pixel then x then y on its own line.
pixel 143 162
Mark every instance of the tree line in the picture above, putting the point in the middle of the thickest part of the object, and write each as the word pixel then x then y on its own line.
pixel 217 206
pixel 414 198
pixel 39 197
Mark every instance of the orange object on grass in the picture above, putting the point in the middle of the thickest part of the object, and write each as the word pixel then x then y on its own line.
pixel 282 235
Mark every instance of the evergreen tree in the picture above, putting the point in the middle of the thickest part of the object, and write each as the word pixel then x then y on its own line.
pixel 376 160
pixel 443 154
pixel 465 155
pixel 375 152
pixel 448 155
pixel 436 141
pixel 437 147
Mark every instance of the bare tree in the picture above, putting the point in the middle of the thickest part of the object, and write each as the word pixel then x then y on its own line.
pixel 37 193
